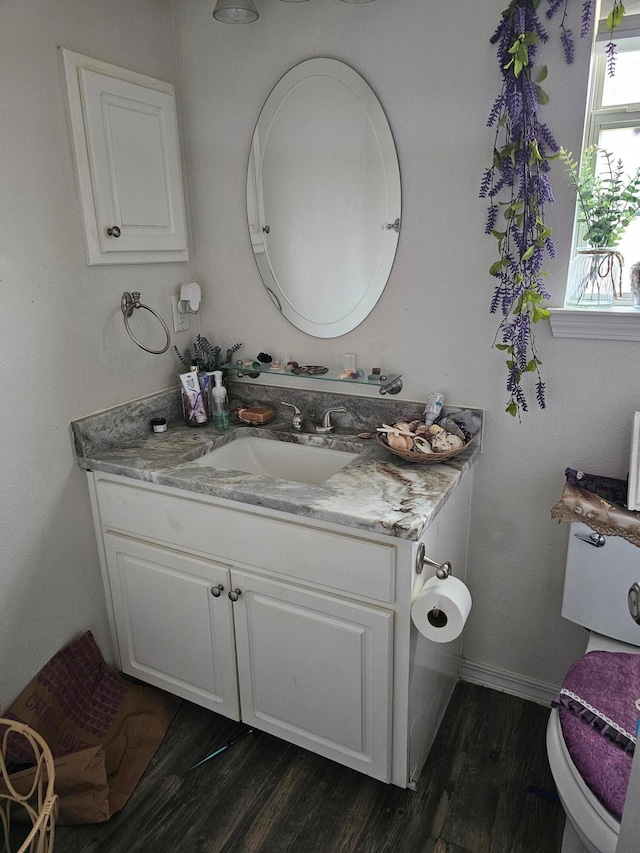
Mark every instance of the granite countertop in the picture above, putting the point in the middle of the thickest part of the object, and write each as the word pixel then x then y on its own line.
pixel 376 492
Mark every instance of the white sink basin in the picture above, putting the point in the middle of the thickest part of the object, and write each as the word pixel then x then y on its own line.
pixel 281 459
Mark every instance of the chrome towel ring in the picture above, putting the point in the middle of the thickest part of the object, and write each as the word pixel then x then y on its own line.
pixel 130 301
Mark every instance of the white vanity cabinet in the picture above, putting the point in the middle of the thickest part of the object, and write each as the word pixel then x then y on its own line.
pixel 298 627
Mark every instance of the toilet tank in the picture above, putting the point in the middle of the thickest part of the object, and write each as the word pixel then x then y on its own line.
pixel 597 584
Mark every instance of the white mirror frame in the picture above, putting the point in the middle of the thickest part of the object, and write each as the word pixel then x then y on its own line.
pixel 324 217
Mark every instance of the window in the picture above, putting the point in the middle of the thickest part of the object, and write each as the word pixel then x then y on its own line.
pixel 613 121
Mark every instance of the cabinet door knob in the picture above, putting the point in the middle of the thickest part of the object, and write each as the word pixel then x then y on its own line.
pixel 234 594
pixel 114 231
pixel 216 590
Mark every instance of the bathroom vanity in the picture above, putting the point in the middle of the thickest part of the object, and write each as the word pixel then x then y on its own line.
pixel 282 604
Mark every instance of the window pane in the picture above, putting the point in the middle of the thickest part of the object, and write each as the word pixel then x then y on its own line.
pixel 624 143
pixel 624 86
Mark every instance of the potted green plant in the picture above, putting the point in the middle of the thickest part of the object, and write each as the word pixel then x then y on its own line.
pixel 608 200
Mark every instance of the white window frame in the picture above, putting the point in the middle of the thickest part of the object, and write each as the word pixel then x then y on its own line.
pixel 621 321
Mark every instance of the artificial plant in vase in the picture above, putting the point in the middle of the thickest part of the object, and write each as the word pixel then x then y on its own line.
pixel 517 183
pixel 205 356
pixel 608 200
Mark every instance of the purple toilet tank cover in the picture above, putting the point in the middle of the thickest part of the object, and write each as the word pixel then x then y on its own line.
pixel 598 715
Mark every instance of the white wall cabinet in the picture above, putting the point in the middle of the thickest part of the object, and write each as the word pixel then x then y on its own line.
pixel 297 627
pixel 124 136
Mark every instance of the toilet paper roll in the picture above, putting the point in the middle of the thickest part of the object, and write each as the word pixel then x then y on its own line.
pixel 441 608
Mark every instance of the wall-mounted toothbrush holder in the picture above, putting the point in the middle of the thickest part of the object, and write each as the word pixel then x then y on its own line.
pixel 190 298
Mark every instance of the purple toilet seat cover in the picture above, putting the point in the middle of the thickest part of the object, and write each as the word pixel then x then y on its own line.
pixel 598 716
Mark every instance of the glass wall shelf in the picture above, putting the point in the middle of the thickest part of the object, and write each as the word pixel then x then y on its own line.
pixel 388 383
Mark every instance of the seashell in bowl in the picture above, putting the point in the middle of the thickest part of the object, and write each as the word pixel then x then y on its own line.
pixel 455 443
pixel 450 426
pixel 399 442
pixel 434 429
pixel 440 442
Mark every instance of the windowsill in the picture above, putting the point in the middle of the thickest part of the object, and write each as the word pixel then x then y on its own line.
pixel 618 323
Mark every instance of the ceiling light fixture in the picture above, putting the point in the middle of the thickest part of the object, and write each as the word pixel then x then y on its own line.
pixel 235 11
pixel 244 11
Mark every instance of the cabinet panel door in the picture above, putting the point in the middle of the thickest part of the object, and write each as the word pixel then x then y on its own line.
pixel 316 670
pixel 134 164
pixel 124 133
pixel 172 632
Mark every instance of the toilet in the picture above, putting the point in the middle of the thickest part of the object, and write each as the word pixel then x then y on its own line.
pixel 600 573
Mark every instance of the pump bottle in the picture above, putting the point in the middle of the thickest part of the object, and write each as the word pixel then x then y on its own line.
pixel 219 402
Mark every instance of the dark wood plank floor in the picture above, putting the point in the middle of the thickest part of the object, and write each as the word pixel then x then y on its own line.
pixel 480 792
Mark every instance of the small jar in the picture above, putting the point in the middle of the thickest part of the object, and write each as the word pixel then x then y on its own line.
pixel 158 424
pixel 634 282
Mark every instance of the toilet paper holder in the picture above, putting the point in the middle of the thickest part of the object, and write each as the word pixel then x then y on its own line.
pixel 443 570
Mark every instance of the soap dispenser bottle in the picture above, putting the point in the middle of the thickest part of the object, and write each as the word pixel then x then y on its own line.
pixel 219 402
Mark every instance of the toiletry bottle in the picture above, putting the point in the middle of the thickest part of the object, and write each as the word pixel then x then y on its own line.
pixel 433 408
pixel 219 402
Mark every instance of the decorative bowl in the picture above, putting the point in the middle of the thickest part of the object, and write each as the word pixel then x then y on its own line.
pixel 418 457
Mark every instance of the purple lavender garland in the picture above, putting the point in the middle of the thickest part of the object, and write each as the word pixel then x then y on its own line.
pixel 518 183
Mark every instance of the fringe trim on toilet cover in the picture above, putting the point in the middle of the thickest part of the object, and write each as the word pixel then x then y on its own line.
pixel 606 726
pixel 597 707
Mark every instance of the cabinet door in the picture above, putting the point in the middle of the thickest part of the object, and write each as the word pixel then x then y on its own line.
pixel 174 630
pixel 315 670
pixel 125 136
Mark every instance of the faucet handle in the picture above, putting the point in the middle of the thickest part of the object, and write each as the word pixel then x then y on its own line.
pixel 326 418
pixel 296 418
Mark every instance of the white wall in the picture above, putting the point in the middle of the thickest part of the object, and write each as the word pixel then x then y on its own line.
pixel 61 327
pixel 432 66
pixel 64 349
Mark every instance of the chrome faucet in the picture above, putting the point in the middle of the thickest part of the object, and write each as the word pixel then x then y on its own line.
pixel 296 417
pixel 326 425
pixel 298 422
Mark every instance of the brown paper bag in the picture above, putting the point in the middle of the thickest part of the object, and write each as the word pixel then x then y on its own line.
pixel 80 783
pixel 77 703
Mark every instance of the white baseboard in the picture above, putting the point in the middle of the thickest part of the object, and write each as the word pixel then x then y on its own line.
pixel 509 682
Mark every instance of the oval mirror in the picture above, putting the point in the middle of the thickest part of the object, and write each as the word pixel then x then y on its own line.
pixel 323 197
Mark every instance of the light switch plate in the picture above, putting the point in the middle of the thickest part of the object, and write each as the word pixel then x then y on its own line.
pixel 180 320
